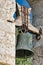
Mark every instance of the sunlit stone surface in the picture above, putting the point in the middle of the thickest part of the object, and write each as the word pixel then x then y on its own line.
pixel 7 32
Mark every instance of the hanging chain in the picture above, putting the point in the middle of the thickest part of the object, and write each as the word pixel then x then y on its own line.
pixel 24 16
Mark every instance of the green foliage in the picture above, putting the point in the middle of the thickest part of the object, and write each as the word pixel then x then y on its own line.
pixel 24 61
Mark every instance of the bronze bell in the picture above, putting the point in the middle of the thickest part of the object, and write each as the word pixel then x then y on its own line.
pixel 23 47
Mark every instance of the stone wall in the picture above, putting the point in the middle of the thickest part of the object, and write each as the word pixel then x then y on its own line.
pixel 7 32
pixel 7 9
pixel 37 9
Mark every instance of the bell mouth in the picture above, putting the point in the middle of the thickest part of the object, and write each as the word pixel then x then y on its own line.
pixel 22 53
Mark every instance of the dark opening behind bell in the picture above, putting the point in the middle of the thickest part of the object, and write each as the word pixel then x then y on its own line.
pixel 23 47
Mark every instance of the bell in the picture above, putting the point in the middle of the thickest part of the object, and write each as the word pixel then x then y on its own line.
pixel 23 47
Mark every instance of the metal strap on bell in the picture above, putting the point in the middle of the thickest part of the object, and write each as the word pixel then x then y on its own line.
pixel 23 47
